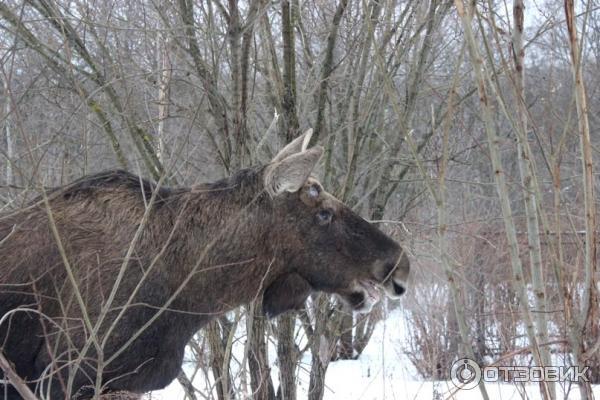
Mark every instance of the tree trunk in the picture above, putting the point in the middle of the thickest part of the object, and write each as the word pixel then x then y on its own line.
pixel 217 355
pixel 320 348
pixel 290 118
pixel 526 169
pixel 8 134
pixel 518 278
pixel 345 350
pixel 287 353
pixel 327 68
pixel 258 361
pixel 316 387
pixel 164 84
pixel 589 314
pixel 287 356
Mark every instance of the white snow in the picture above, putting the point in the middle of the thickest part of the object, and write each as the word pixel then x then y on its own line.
pixel 384 372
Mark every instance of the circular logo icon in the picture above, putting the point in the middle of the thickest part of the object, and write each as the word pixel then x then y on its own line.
pixel 465 374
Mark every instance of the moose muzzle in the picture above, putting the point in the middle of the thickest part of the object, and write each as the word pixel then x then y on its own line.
pixel 395 275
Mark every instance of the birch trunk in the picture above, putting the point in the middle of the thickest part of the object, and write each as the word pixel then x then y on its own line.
pixel 589 306
pixel 531 195
pixel 501 185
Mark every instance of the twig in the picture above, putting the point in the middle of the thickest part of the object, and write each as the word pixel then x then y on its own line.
pixel 15 379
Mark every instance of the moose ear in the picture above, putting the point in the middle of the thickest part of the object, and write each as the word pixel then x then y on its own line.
pixel 289 174
pixel 297 145
pixel 288 292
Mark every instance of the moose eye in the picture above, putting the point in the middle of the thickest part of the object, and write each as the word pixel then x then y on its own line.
pixel 324 217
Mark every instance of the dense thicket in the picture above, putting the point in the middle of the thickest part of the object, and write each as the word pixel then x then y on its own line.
pixel 468 130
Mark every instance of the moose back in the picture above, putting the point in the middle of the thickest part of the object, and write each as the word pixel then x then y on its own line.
pixel 105 280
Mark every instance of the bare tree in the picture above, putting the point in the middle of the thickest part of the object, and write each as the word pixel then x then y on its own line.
pixel 464 129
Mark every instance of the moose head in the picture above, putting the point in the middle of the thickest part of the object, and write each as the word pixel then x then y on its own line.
pixel 326 246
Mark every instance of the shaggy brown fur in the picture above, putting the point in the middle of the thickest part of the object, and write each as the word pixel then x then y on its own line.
pixel 201 252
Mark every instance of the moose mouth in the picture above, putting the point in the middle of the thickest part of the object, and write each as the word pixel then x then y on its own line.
pixel 363 296
pixel 366 294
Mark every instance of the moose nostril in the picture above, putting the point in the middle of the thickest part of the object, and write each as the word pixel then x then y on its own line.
pixel 398 289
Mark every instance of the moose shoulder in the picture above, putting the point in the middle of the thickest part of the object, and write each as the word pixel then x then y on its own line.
pixel 112 275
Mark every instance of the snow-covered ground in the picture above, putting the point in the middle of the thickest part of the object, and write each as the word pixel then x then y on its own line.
pixel 384 372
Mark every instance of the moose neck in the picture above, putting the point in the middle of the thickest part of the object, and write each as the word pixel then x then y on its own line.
pixel 228 257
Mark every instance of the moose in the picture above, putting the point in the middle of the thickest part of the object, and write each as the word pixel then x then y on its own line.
pixel 105 280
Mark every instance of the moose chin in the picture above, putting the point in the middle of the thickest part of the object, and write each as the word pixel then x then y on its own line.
pixel 108 278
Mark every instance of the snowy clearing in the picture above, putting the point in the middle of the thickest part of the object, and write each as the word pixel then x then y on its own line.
pixel 384 372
